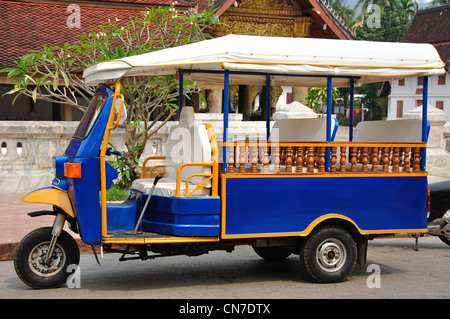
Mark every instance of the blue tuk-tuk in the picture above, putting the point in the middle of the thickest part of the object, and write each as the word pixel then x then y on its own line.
pixel 296 191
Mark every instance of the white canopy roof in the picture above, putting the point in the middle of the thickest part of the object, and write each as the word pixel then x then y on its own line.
pixel 365 60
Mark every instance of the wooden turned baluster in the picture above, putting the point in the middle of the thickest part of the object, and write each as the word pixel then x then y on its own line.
pixel 288 159
pixel 353 158
pixel 365 159
pixel 396 160
pixel 416 165
pixel 265 160
pixel 277 159
pixel 299 160
pixel 333 159
pixel 321 159
pixel 407 160
pixel 242 159
pixel 230 159
pixel 375 159
pixel 343 160
pixel 305 156
pixel 310 159
pixel 282 155
pixel 391 156
pixel 294 156
pixel 401 162
pixel 385 159
pixel 254 159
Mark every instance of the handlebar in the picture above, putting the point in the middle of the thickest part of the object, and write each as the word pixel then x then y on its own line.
pixel 110 151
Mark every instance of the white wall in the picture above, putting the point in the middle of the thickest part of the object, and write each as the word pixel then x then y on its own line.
pixel 411 95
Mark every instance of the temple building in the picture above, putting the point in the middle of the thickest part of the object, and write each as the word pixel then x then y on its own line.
pixel 30 24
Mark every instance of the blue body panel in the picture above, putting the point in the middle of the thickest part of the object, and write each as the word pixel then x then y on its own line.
pixel 84 195
pixel 123 216
pixel 183 216
pixel 84 192
pixel 290 205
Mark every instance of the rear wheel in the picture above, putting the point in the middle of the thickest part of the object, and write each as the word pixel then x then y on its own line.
pixel 329 254
pixel 30 264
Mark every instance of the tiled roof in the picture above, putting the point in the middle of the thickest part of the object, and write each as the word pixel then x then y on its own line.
pixel 28 26
pixel 148 2
pixel 432 26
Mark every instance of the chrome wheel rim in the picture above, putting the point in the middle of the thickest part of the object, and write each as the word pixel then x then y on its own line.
pixel 331 255
pixel 37 257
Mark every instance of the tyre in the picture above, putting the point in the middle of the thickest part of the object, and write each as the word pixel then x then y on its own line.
pixel 445 239
pixel 272 253
pixel 442 214
pixel 329 254
pixel 29 255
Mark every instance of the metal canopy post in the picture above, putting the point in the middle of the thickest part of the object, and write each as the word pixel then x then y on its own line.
pixel 352 105
pixel 180 91
pixel 424 122
pixel 328 154
pixel 267 106
pixel 226 102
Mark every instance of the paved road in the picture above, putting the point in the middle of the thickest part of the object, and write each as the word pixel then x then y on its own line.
pixel 404 273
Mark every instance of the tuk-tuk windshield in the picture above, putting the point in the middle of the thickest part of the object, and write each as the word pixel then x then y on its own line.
pixel 89 118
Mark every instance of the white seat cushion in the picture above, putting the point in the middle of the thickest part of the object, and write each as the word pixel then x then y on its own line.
pixel 302 130
pixel 166 187
pixel 389 131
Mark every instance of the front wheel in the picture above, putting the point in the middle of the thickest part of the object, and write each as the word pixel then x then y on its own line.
pixel 29 259
pixel 329 254
pixel 445 239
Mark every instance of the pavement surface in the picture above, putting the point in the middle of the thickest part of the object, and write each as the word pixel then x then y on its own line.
pixel 15 222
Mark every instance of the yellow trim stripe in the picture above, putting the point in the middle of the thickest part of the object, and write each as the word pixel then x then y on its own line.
pixel 317 221
pixel 109 127
pixel 338 65
pixel 323 144
pixel 327 174
pixel 51 196
pixel 273 63
pixel 172 240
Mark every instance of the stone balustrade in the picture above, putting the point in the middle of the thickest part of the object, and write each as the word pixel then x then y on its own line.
pixel 27 147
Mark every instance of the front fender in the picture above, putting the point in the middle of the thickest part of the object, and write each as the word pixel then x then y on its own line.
pixel 51 196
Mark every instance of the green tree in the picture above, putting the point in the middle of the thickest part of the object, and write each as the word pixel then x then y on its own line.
pixel 316 98
pixel 395 20
pixel 343 10
pixel 365 4
pixel 53 73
